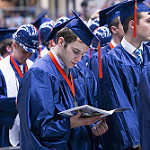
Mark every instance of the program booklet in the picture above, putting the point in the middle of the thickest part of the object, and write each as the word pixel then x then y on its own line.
pixel 88 111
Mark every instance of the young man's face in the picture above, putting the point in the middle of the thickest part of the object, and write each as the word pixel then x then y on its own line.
pixel 73 53
pixel 20 54
pixel 143 28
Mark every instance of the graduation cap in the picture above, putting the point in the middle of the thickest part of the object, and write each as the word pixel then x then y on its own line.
pixel 61 20
pixel 132 7
pixel 27 37
pixel 6 34
pixel 41 19
pixel 102 15
pixel 45 30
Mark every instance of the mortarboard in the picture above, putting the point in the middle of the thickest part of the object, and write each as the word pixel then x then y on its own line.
pixel 81 30
pixel 6 34
pixel 131 7
pixel 78 27
pixel 113 13
pixel 41 19
pixel 127 9
pixel 102 15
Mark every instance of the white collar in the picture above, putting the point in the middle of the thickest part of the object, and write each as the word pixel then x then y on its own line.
pixel 130 48
pixel 113 43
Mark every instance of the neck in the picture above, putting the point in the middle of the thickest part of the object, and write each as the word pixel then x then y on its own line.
pixel 133 41
pixel 116 39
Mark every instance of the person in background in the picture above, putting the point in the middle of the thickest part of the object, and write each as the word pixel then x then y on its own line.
pixel 62 87
pixel 121 69
pixel 108 17
pixel 6 42
pixel 12 69
pixel 41 19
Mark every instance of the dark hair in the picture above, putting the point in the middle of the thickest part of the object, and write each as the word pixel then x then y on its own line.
pixel 114 22
pixel 68 35
pixel 131 17
pixel 4 44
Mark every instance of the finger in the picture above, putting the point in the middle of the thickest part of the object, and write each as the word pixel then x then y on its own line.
pixel 90 120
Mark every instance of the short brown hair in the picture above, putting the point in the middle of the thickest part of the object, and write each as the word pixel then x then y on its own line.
pixel 68 35
pixel 131 17
pixel 4 44
pixel 114 22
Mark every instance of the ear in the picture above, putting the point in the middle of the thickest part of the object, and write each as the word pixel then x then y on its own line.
pixel 131 24
pixel 8 48
pixel 113 29
pixel 61 42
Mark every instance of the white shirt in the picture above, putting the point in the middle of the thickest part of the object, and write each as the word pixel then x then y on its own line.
pixel 130 48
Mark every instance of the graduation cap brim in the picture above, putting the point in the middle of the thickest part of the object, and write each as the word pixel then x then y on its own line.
pixel 102 14
pixel 6 34
pixel 37 21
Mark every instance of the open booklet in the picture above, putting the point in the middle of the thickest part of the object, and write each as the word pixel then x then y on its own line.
pixel 88 111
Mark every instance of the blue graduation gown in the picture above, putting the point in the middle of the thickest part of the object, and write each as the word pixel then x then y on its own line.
pixel 43 93
pixel 118 88
pixel 93 62
pixel 144 111
pixel 8 110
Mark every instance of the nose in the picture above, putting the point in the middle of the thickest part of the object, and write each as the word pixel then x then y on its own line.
pixel 78 58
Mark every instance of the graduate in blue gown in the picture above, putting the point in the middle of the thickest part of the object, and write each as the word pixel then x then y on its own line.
pixel 12 69
pixel 48 88
pixel 121 70
pixel 144 96
pixel 110 17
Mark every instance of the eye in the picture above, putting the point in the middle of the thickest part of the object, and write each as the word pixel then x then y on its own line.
pixel 75 51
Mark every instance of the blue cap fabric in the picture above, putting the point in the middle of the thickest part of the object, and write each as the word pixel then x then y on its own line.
pixel 127 9
pixel 41 19
pixel 27 37
pixel 45 30
pixel 112 14
pixel 6 34
pixel 95 24
pixel 104 35
pixel 102 15
pixel 56 28
pixel 61 20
